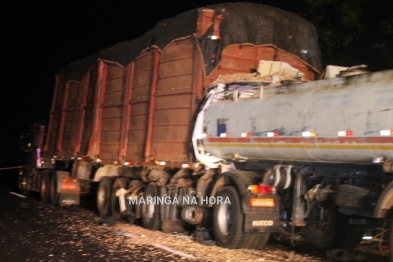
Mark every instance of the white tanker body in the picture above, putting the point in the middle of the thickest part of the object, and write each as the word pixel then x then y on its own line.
pixel 326 147
pixel 341 120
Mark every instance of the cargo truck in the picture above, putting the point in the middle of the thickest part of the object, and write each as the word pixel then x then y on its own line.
pixel 225 102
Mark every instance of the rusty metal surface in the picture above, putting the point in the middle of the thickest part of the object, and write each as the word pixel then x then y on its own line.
pixel 71 120
pixel 88 113
pixel 139 102
pixel 56 113
pixel 51 136
pixel 205 20
pixel 82 112
pixel 243 58
pixel 365 108
pixel 97 111
pixel 174 104
pixel 111 116
pixel 153 91
pixel 126 107
pixel 62 118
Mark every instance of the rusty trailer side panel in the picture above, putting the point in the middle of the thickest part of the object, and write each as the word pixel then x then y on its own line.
pixel 51 137
pixel 87 112
pixel 139 100
pixel 175 101
pixel 111 107
pixel 82 112
pixel 70 118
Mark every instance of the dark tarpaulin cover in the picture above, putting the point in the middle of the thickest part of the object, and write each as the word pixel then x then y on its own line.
pixel 243 23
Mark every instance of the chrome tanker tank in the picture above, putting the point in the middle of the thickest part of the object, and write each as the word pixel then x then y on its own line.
pixel 346 120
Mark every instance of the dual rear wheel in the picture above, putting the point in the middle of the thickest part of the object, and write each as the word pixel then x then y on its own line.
pixel 48 188
pixel 108 202
pixel 228 224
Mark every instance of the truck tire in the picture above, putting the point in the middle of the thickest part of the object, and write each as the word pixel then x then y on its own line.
pixel 44 187
pixel 115 205
pixel 150 211
pixel 257 241
pixel 53 194
pixel 104 196
pixel 333 233
pixel 228 221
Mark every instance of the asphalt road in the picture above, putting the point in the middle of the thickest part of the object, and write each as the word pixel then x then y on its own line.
pixel 32 231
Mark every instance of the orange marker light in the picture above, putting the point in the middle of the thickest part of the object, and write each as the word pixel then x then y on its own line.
pixel 262 202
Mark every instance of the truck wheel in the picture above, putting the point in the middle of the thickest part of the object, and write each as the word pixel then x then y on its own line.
pixel 119 184
pixel 44 187
pixel 333 233
pixel 53 194
pixel 228 221
pixel 257 240
pixel 103 196
pixel 150 211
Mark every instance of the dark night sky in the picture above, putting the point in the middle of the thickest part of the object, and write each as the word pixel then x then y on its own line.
pixel 38 37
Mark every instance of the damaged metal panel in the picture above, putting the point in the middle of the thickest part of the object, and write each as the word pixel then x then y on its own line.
pixel 240 58
pixel 363 110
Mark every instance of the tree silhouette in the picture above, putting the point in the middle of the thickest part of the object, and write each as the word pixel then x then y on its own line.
pixel 353 32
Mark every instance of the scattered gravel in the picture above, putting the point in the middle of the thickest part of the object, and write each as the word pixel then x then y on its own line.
pixel 33 231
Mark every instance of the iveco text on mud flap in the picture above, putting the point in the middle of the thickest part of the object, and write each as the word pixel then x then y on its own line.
pixel 262 215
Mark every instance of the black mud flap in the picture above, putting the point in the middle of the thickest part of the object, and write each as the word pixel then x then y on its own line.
pixel 355 197
pixel 68 189
pixel 260 217
pixel 261 222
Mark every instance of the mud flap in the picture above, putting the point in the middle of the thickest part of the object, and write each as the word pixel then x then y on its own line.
pixel 68 189
pixel 261 222
pixel 261 219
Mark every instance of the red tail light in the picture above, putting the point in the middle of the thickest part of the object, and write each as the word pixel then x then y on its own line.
pixel 261 189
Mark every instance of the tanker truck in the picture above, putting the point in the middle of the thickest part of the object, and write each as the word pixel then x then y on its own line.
pixel 219 121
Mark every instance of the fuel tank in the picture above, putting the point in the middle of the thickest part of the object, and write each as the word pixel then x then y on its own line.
pixel 343 120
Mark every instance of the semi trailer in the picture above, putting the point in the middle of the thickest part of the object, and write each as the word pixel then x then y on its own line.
pixel 220 120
